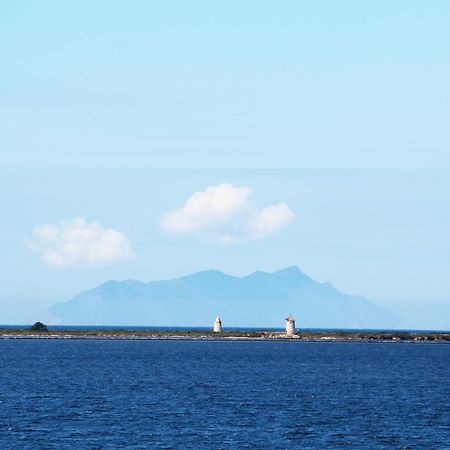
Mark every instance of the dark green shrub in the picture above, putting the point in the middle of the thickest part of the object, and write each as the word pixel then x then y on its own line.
pixel 38 326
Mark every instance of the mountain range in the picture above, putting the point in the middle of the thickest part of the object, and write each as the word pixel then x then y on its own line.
pixel 260 299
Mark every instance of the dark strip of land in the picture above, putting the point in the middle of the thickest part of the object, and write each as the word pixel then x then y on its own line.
pixel 322 336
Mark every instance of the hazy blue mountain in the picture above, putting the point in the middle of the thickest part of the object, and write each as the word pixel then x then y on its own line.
pixel 258 300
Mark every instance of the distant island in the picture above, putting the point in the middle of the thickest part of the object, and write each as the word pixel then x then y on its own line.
pixel 260 299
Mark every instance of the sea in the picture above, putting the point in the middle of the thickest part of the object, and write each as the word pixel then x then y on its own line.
pixel 216 394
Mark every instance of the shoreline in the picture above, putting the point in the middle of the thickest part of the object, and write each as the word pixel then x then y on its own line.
pixel 260 335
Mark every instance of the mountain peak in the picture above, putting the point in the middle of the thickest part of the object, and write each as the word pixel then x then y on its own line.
pixel 291 270
pixel 293 273
pixel 206 274
pixel 293 277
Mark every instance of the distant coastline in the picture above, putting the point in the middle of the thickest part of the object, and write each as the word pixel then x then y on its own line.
pixel 259 335
pixel 257 299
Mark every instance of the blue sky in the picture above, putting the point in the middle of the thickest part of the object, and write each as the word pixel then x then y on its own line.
pixel 117 112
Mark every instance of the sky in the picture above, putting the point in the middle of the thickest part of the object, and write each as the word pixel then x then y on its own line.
pixel 148 140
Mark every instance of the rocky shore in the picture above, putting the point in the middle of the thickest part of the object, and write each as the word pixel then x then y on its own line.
pixel 300 336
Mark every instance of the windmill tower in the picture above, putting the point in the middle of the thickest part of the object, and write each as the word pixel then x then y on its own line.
pixel 290 325
pixel 217 325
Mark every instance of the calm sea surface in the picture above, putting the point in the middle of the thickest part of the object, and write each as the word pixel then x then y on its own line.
pixel 79 394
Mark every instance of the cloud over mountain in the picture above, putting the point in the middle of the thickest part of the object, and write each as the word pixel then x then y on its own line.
pixel 224 213
pixel 77 242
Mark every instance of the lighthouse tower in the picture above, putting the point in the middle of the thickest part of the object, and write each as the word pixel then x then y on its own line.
pixel 290 325
pixel 217 325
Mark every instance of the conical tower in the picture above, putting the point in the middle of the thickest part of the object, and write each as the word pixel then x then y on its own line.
pixel 290 325
pixel 217 325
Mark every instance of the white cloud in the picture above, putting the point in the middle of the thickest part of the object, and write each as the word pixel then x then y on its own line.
pixel 76 242
pixel 270 219
pixel 225 214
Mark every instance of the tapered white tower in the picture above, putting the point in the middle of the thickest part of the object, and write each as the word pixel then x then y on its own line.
pixel 217 325
pixel 290 325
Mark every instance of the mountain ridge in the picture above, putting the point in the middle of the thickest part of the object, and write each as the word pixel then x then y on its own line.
pixel 259 299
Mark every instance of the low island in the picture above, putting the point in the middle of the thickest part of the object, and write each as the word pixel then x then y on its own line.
pixel 252 334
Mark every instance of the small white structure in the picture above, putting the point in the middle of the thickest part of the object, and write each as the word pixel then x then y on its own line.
pixel 290 325
pixel 217 325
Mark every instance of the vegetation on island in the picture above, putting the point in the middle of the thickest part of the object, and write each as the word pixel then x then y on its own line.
pixel 39 326
pixel 301 335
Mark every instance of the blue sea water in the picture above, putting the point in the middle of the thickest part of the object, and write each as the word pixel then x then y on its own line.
pixel 101 394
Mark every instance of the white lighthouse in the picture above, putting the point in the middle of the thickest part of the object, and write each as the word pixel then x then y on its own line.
pixel 217 325
pixel 290 325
